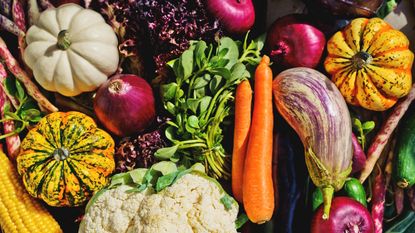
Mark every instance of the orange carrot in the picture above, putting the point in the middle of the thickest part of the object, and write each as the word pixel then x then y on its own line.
pixel 258 189
pixel 243 102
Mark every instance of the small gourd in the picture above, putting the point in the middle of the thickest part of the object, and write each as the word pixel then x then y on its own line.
pixel 370 63
pixel 71 50
pixel 65 158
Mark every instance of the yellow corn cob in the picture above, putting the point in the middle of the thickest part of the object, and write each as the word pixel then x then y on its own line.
pixel 19 212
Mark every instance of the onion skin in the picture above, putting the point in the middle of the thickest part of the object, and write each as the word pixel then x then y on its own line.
pixel 347 215
pixel 292 41
pixel 315 108
pixel 124 104
pixel 236 16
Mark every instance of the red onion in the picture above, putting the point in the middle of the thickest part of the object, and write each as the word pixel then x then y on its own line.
pixel 347 215
pixel 124 104
pixel 236 16
pixel 293 42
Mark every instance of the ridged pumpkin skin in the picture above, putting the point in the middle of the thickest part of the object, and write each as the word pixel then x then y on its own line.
pixel 370 63
pixel 65 159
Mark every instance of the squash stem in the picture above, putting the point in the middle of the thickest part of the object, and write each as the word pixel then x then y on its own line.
pixel 328 192
pixel 63 40
pixel 361 59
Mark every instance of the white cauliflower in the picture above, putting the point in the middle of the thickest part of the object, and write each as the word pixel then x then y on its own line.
pixel 192 204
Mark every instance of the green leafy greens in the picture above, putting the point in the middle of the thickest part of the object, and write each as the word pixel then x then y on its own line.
pixel 200 97
pixel 362 130
pixel 26 113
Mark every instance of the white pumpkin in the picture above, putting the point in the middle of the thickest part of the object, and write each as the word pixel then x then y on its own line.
pixel 71 50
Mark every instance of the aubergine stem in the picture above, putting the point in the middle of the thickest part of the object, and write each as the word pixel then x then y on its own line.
pixel 328 192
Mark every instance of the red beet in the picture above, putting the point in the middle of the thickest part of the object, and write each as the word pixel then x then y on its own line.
pixel 346 215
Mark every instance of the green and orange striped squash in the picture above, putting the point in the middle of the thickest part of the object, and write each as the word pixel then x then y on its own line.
pixel 65 158
pixel 370 62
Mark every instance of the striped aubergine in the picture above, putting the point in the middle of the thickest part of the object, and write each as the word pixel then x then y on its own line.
pixel 65 158
pixel 315 108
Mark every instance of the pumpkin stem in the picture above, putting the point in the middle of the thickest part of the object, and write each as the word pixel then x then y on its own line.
pixel 60 153
pixel 360 59
pixel 63 40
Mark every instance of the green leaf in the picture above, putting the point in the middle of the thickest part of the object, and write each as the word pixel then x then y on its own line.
pixel 186 63
pixel 222 72
pixel 192 104
pixel 227 201
pixel 29 104
pixel 193 121
pixel 30 114
pixel 260 41
pixel 215 84
pixel 357 123
pixel 137 175
pixel 368 126
pixel 169 91
pixel 204 103
pixel 241 220
pixel 166 152
pixel 199 53
pixel 222 53
pixel 172 62
pixel 238 72
pixel 20 94
pixel 233 51
pixel 10 85
pixel 201 81
pixel 120 179
pixel 170 133
pixel 166 181
pixel 165 167
pixel 171 108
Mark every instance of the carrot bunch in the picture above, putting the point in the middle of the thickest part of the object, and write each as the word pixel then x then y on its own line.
pixel 252 182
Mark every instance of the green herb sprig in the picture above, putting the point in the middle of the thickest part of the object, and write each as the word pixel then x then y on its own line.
pixel 26 114
pixel 200 98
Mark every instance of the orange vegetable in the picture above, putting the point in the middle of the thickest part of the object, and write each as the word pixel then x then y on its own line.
pixel 258 190
pixel 243 102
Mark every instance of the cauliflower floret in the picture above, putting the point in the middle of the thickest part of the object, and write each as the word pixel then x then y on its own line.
pixel 113 211
pixel 191 204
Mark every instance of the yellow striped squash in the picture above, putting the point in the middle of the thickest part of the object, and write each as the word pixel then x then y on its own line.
pixel 65 159
pixel 370 62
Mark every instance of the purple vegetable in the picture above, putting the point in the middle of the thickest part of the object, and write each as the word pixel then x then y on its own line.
pixel 161 29
pixel 411 197
pixel 12 141
pixel 378 201
pixel 399 199
pixel 5 7
pixel 347 215
pixel 10 26
pixel 288 183
pixel 382 137
pixel 19 15
pixel 359 157
pixel 317 111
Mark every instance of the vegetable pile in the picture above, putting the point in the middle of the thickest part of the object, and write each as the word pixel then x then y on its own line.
pixel 122 116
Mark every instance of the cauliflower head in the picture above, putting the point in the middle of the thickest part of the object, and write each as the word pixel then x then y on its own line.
pixel 194 203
